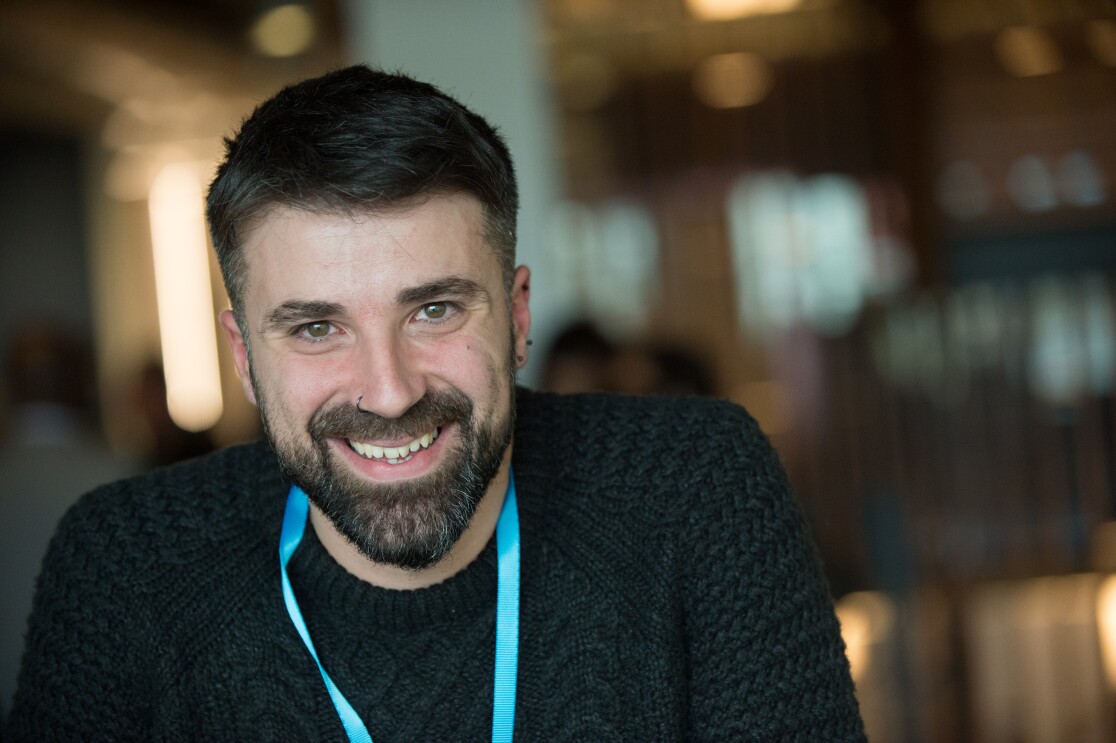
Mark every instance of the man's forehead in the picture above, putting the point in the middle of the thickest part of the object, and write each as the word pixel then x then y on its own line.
pixel 413 242
pixel 461 214
pixel 360 212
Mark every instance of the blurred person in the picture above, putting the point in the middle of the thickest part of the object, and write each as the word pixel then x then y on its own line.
pixel 52 453
pixel 168 443
pixel 627 569
pixel 578 360
pixel 683 371
pixel 659 369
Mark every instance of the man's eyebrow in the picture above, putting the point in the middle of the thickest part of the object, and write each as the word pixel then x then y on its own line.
pixel 296 311
pixel 454 287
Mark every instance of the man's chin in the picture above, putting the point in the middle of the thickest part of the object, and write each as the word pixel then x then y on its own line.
pixel 405 557
pixel 405 524
pixel 413 558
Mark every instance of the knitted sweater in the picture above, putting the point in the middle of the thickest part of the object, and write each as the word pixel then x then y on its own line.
pixel 669 592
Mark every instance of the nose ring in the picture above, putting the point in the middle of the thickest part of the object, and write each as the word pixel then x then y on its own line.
pixel 358 407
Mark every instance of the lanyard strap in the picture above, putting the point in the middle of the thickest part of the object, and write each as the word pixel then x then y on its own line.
pixel 507 615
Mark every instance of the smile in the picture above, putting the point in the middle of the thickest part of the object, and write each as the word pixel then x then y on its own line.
pixel 393 454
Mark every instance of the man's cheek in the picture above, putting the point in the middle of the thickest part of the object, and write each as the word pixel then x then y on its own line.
pixel 309 381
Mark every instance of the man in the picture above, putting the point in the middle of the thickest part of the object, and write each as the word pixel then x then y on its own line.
pixel 628 569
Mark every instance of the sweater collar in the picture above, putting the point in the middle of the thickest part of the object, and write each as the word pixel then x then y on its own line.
pixel 324 588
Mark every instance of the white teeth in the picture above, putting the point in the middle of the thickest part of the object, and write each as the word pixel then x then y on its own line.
pixel 394 454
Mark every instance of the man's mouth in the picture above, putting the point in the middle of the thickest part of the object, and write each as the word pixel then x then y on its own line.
pixel 393 454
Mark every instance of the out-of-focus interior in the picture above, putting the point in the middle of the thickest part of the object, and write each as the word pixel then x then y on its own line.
pixel 888 228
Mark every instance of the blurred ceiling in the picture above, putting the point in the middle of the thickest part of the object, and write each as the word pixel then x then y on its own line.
pixel 70 65
pixel 644 87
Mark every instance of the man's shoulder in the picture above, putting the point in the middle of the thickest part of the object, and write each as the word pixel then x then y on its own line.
pixel 234 472
pixel 618 483
pixel 192 500
pixel 654 422
pixel 651 450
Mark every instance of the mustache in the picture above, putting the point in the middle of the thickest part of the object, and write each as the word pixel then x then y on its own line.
pixel 434 409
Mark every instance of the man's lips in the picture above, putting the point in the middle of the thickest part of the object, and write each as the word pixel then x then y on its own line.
pixel 396 453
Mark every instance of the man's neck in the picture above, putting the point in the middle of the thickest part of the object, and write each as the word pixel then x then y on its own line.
pixel 467 548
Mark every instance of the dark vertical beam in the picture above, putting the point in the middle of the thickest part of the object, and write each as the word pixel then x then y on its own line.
pixel 908 125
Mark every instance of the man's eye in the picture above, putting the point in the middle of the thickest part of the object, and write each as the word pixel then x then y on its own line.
pixel 435 311
pixel 317 329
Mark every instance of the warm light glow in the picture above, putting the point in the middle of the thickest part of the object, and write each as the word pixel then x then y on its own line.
pixel 182 285
pixel 1101 37
pixel 1028 51
pixel 588 11
pixel 726 10
pixel 867 619
pixel 283 31
pixel 1106 627
pixel 732 80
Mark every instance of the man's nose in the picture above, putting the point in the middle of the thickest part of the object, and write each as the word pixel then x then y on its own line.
pixel 388 381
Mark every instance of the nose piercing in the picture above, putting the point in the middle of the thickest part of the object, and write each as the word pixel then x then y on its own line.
pixel 358 407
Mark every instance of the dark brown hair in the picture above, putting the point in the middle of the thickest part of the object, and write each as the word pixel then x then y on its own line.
pixel 352 141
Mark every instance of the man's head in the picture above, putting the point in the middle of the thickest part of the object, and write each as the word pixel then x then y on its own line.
pixel 352 141
pixel 365 228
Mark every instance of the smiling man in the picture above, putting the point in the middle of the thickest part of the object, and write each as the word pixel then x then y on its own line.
pixel 420 550
pixel 382 354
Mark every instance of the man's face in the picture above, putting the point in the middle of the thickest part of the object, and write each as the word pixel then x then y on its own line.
pixel 406 311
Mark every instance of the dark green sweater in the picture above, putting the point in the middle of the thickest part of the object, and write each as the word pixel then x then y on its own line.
pixel 669 592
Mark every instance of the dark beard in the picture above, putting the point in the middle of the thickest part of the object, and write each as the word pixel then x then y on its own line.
pixel 411 524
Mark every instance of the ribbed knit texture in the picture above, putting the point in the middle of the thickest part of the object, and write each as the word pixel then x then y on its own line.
pixel 669 593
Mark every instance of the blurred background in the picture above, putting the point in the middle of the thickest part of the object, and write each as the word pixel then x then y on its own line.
pixel 887 227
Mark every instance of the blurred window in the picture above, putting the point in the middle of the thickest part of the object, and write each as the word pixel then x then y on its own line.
pixel 612 253
pixel 803 251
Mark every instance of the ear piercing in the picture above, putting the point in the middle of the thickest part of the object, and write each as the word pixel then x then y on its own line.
pixel 520 358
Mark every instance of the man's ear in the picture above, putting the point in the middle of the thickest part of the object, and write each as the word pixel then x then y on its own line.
pixel 239 351
pixel 521 312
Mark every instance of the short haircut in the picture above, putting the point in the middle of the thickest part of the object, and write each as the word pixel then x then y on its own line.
pixel 355 141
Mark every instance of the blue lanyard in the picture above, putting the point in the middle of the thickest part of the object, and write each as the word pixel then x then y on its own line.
pixel 507 615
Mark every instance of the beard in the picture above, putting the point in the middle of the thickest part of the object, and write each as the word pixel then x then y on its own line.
pixel 414 523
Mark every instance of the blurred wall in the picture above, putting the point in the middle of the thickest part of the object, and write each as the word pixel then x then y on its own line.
pixel 43 239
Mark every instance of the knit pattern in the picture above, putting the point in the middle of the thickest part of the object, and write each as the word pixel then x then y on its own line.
pixel 669 592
